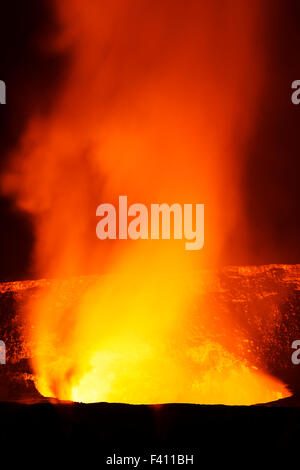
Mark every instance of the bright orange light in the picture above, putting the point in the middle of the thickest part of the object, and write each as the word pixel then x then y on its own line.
pixel 156 105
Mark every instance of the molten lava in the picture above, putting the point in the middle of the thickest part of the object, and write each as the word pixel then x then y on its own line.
pixel 156 105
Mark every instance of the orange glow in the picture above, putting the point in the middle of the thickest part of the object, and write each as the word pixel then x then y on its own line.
pixel 156 105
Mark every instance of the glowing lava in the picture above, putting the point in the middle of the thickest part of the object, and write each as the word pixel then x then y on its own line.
pixel 156 105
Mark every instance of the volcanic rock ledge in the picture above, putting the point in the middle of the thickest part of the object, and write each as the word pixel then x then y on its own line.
pixel 260 306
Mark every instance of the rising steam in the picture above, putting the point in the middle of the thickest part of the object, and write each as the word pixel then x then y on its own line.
pixel 158 102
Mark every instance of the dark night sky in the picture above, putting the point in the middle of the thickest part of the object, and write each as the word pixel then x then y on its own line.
pixel 271 173
pixel 32 79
